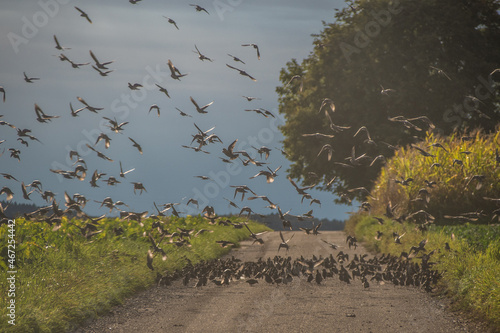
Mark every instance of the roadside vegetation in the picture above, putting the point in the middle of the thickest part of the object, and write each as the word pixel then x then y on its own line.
pixel 458 216
pixel 66 275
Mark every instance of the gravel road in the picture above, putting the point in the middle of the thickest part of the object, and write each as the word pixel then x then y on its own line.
pixel 299 306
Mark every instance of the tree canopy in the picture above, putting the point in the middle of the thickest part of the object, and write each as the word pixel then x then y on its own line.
pixel 398 68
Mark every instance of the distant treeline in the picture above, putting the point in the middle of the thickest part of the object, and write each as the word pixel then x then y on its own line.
pixel 14 209
pixel 273 221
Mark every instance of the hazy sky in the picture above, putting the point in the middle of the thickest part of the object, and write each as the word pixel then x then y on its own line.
pixel 141 41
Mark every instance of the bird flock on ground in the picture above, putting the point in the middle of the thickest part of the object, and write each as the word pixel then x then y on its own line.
pixel 283 270
pixel 220 271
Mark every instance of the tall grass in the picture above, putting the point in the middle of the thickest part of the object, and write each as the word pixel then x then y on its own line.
pixel 64 278
pixel 471 267
pixel 456 191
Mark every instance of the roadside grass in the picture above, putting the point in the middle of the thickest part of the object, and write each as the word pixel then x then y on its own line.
pixel 470 269
pixel 64 279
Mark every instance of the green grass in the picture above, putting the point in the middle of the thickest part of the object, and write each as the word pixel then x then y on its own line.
pixel 63 279
pixel 471 269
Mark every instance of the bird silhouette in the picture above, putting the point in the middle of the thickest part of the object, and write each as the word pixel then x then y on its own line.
pixel 84 15
pixel 256 47
pixel 171 22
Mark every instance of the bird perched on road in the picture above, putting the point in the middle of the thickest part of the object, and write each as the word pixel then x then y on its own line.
pixel 351 241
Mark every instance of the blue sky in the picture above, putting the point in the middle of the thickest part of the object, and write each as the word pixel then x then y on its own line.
pixel 141 41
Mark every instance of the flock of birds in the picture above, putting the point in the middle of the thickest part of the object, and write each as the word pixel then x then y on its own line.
pixel 272 270
pixel 74 205
pixel 283 270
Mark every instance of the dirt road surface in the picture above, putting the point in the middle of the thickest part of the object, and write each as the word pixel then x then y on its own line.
pixel 300 306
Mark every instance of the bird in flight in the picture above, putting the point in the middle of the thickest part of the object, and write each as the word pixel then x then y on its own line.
pixel 83 14
pixel 386 91
pixel 175 73
pixel 440 72
pixel 200 55
pixel 101 73
pixel 136 145
pixel 123 173
pixel 182 113
pixel 284 244
pixel 58 46
pixel 256 47
pixel 236 58
pixel 29 79
pixel 155 107
pixel 200 9
pixel 171 21
pixel 41 116
pixel 163 90
pixel 99 64
pixel 2 90
pixel 198 108
pixel 134 86
pixel 88 107
pixel 249 98
pixel 242 72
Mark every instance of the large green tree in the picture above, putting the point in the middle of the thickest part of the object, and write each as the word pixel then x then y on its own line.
pixel 381 59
